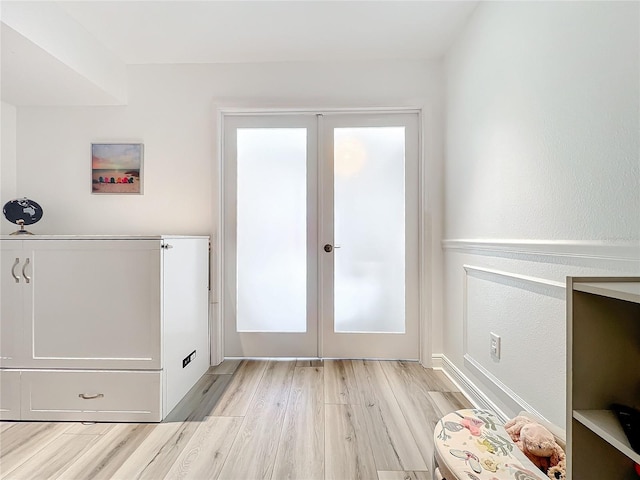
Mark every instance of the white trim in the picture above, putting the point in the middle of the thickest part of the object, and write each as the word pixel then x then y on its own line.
pixel 508 396
pixel 469 269
pixel 231 111
pixel 217 329
pixel 320 222
pixel 425 301
pixel 467 387
pixel 437 361
pixel 602 250
pixel 477 397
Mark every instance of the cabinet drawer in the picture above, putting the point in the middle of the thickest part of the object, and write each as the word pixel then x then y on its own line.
pixel 9 395
pixel 110 396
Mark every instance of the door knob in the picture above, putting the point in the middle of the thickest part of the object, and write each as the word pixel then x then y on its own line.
pixel 328 248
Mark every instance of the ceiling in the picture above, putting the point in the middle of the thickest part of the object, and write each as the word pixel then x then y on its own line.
pixel 143 32
pixel 76 52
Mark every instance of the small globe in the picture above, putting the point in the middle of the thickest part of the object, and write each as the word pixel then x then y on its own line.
pixel 22 211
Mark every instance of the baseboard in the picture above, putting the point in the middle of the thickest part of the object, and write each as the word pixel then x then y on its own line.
pixel 506 395
pixel 476 396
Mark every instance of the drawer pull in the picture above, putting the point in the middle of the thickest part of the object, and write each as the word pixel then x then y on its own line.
pixel 84 396
pixel 13 270
pixel 24 273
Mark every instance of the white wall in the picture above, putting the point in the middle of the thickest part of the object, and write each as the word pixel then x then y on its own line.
pixel 542 158
pixel 7 160
pixel 172 110
pixel 48 58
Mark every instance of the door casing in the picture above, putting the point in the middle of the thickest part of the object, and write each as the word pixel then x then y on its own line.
pixel 424 242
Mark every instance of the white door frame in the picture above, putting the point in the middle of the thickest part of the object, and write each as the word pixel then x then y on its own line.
pixel 217 262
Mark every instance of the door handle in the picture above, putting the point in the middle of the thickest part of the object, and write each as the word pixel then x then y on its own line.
pixel 93 396
pixel 13 270
pixel 329 248
pixel 24 273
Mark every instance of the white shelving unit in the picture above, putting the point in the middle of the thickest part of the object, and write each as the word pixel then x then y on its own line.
pixel 603 367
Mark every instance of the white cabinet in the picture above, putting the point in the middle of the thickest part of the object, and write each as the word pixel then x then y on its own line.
pixel 84 303
pixel 603 367
pixel 91 395
pixel 98 328
pixel 11 303
pixel 9 395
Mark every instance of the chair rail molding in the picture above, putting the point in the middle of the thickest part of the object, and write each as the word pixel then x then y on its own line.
pixel 604 250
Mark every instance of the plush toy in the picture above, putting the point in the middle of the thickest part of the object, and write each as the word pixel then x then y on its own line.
pixel 559 471
pixel 514 426
pixel 538 444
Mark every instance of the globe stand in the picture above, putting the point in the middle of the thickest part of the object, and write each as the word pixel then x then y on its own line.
pixel 22 231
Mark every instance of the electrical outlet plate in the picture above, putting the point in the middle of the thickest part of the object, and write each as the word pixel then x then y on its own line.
pixel 187 360
pixel 495 346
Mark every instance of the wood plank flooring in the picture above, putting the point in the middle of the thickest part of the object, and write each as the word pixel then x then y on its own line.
pixel 257 419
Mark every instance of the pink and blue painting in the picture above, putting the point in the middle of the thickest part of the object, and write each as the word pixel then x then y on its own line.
pixel 116 168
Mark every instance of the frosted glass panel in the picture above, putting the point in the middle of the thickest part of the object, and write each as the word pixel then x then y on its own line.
pixel 272 230
pixel 369 206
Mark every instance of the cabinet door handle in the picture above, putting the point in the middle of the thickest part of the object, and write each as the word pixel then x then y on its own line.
pixel 24 273
pixel 13 270
pixel 84 396
pixel 167 246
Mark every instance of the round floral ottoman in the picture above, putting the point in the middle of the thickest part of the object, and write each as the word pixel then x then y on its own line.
pixel 472 444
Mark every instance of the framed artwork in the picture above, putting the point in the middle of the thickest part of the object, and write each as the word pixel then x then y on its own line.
pixel 116 168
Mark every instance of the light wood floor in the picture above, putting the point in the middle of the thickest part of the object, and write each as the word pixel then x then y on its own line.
pixel 304 420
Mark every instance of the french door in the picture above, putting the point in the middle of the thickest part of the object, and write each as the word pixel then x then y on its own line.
pixel 320 236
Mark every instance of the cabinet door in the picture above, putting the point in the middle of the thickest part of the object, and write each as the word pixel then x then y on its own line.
pixel 186 319
pixel 93 304
pixel 12 286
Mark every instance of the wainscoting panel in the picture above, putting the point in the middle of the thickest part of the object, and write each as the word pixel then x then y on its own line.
pixel 516 289
pixel 527 313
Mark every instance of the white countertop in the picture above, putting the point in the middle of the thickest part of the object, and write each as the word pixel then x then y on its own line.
pixel 96 237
